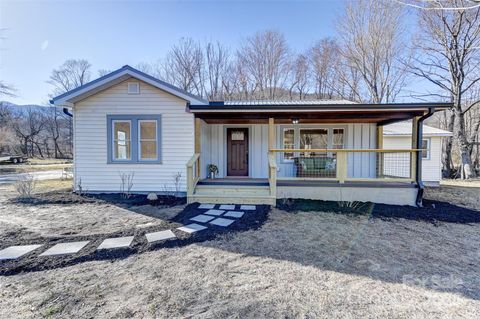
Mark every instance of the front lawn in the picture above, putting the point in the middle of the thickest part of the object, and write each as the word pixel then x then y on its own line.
pixel 299 264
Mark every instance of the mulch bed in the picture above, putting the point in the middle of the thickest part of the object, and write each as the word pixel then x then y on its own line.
pixel 432 211
pixel 33 262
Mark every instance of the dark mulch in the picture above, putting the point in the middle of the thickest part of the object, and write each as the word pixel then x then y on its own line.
pixel 67 197
pixel 33 262
pixel 432 211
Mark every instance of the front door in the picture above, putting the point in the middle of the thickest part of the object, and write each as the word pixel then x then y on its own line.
pixel 237 151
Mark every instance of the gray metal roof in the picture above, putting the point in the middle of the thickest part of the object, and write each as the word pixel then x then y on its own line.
pixel 286 102
pixel 405 129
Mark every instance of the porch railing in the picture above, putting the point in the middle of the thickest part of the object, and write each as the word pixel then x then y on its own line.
pixel 389 165
pixel 272 174
pixel 193 173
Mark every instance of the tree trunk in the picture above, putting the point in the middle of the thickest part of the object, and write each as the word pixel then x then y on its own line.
pixel 447 152
pixel 463 145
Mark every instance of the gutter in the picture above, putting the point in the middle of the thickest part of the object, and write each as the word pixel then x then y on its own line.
pixel 418 167
pixel 67 112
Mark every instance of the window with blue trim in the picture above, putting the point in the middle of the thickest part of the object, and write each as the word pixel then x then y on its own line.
pixel 134 138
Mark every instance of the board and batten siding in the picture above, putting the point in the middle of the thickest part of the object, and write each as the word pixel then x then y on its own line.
pixel 90 141
pixel 432 167
pixel 358 136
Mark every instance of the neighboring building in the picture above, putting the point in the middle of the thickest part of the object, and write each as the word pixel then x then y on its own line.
pixel 130 122
pixel 399 135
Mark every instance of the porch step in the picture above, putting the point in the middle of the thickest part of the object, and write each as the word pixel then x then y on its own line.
pixel 232 194
pixel 232 190
pixel 254 200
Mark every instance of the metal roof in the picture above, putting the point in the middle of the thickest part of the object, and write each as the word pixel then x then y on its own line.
pixel 405 129
pixel 282 102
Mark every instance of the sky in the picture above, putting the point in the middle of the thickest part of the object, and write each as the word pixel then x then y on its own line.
pixel 39 36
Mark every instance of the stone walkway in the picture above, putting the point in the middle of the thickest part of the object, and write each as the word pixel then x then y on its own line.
pixel 208 214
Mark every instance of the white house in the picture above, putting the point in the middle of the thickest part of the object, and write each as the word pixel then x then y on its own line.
pixel 128 122
pixel 399 135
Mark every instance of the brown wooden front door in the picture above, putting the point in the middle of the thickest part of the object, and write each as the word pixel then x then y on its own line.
pixel 237 151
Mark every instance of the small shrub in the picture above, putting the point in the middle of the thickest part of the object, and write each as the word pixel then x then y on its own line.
pixel 25 186
pixel 126 184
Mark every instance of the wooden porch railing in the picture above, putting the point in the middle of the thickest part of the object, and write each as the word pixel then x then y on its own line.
pixel 391 165
pixel 193 173
pixel 272 174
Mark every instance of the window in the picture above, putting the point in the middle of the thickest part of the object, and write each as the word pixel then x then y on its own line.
pixel 288 142
pixel 122 140
pixel 313 139
pixel 426 149
pixel 148 139
pixel 337 139
pixel 133 139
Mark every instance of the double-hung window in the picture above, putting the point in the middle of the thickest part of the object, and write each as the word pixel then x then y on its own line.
pixel 134 138
pixel 426 149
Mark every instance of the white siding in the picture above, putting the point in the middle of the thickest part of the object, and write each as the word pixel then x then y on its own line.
pixel 432 167
pixel 358 136
pixel 90 121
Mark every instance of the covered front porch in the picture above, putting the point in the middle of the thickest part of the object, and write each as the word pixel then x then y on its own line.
pixel 263 155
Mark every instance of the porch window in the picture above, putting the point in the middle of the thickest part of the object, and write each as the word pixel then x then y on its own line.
pixel 426 149
pixel 133 139
pixel 313 139
pixel 288 142
pixel 148 139
pixel 338 138
pixel 122 140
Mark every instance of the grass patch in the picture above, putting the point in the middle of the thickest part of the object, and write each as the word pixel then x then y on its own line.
pixel 48 161
pixel 51 310
pixel 28 168
pixel 54 185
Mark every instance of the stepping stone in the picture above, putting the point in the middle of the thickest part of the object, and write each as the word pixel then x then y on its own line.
pixel 214 212
pixel 206 206
pixel 223 222
pixel 160 235
pixel 234 214
pixel 192 228
pixel 13 252
pixel 227 207
pixel 118 242
pixel 65 248
pixel 202 218
pixel 248 207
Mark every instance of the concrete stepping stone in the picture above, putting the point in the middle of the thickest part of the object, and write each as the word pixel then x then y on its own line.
pixel 248 207
pixel 202 218
pixel 65 248
pixel 160 235
pixel 234 214
pixel 223 222
pixel 206 206
pixel 227 207
pixel 14 252
pixel 192 228
pixel 214 212
pixel 117 242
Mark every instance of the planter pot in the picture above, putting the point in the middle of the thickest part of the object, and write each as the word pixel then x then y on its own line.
pixel 212 175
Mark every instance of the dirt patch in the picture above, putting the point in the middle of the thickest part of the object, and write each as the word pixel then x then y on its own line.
pixel 465 194
pixel 34 262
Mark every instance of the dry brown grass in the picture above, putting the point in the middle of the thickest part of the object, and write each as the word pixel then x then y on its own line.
pixel 457 192
pixel 305 265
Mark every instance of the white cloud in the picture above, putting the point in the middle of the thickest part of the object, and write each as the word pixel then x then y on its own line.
pixel 44 45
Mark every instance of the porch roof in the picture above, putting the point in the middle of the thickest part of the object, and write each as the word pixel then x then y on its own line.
pixel 316 111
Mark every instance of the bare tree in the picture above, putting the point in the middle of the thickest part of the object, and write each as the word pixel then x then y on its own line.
pixel 217 66
pixel 6 90
pixel 70 75
pixel 450 59
pixel 371 35
pixel 300 77
pixel 183 66
pixel 324 58
pixel 265 60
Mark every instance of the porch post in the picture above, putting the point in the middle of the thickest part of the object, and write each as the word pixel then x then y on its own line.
pixel 415 145
pixel 380 156
pixel 271 133
pixel 198 142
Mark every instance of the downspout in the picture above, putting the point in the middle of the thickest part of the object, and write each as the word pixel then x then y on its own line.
pixel 418 166
pixel 67 112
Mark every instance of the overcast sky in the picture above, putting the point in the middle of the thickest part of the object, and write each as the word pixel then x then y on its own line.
pixel 41 35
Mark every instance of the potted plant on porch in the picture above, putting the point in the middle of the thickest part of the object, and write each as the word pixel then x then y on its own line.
pixel 212 170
